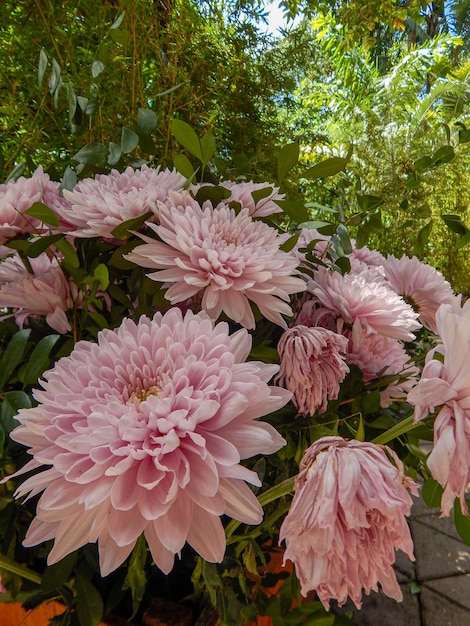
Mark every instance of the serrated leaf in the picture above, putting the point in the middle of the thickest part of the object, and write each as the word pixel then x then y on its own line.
pixel 431 493
pixel 42 66
pixel 92 154
pixel 326 168
pixel 147 120
pixel 39 360
pixel 13 354
pixel 186 137
pixel 183 165
pixel 129 140
pixel 89 603
pixel 287 159
pixel 44 214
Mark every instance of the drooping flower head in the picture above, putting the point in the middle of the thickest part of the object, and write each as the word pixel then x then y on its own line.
pixel 17 196
pixel 312 366
pixel 445 384
pixel 99 204
pixel 229 257
pixel 420 285
pixel 347 519
pixel 143 432
pixel 46 291
pixel 365 297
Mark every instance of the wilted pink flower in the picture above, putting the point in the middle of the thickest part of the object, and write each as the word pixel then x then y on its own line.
pixel 101 203
pixel 447 385
pixel 420 285
pixel 376 355
pixel 228 256
pixel 44 292
pixel 17 196
pixel 367 298
pixel 312 366
pixel 347 519
pixel 143 432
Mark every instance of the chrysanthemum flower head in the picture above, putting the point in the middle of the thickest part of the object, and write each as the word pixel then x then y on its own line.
pixel 445 385
pixel 312 366
pixel 365 297
pixel 99 204
pixel 347 519
pixel 143 432
pixel 227 256
pixel 420 285
pixel 46 291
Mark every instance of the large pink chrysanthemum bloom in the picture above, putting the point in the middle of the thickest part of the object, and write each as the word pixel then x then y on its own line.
pixel 347 519
pixel 229 257
pixel 447 385
pixel 17 196
pixel 420 285
pixel 312 366
pixel 45 292
pixel 101 203
pixel 376 355
pixel 365 297
pixel 143 432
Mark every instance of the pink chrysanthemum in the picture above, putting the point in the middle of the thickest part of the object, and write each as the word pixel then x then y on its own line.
pixel 367 298
pixel 228 256
pixel 420 285
pixel 17 196
pixel 347 519
pixel 45 292
pixel 312 366
pixel 447 385
pixel 101 203
pixel 368 258
pixel 378 355
pixel 143 432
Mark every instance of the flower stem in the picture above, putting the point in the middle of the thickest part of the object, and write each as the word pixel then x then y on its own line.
pixel 399 429
pixel 12 566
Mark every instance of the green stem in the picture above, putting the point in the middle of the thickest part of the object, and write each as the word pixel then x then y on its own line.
pixel 276 492
pixel 399 429
pixel 12 566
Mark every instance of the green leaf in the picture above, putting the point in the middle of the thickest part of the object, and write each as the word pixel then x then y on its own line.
pixel 295 209
pixel 16 172
pixel 67 249
pixel 134 224
pixel 69 179
pixel 12 566
pixel 183 165
pixel 92 154
pixel 120 36
pixel 445 154
pixel 422 238
pixel 367 202
pixel 187 137
pixel 43 213
pixel 57 574
pixel 214 193
pixel 462 522
pixel 328 167
pixel 39 360
pixel 40 245
pixel 462 241
pixel 207 147
pixel 136 579
pixel 423 163
pixel 12 402
pixel 101 274
pixel 431 493
pixel 290 243
pixel 13 354
pixel 42 66
pixel 129 140
pixel 114 153
pixel 455 224
pixel 170 90
pixel 287 159
pixel 147 120
pixel 97 68
pixel 89 603
pixel 118 21
pixel 343 235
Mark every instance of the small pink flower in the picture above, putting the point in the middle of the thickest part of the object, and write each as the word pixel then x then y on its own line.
pixel 18 196
pixel 229 257
pixel 99 204
pixel 446 386
pixel 367 298
pixel 144 432
pixel 312 366
pixel 420 285
pixel 45 292
pixel 347 519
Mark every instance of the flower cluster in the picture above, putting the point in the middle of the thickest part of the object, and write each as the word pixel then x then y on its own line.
pixel 169 342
